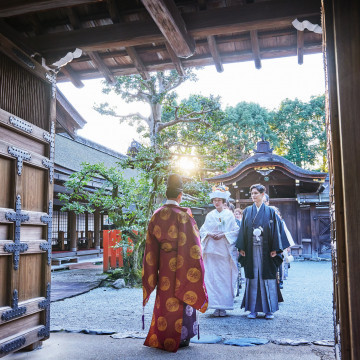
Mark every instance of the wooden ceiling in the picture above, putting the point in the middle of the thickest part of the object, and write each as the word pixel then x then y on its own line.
pixel 122 37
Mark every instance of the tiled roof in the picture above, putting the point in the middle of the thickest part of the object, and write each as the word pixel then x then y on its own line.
pixel 70 154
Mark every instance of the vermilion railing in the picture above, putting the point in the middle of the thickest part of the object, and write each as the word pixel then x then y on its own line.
pixel 112 258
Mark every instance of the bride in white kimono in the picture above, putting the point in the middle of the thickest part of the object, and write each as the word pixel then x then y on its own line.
pixel 218 236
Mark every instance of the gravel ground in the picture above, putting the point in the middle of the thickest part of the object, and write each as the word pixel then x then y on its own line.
pixel 305 314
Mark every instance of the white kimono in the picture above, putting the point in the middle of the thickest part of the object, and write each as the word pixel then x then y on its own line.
pixel 220 258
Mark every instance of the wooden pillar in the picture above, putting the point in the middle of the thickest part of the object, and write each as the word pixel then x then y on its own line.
pixel 86 224
pixel 343 60
pixel 97 218
pixel 314 222
pixel 237 197
pixel 73 233
pixel 298 225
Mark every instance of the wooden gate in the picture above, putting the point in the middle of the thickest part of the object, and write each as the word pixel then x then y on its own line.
pixel 27 114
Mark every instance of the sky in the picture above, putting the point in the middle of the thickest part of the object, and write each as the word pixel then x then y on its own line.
pixel 277 80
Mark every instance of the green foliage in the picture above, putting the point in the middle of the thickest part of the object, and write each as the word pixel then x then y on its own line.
pixel 300 128
pixel 199 190
pixel 243 126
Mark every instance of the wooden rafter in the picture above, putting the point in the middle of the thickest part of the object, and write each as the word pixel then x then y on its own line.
pixel 130 50
pixel 300 47
pixel 176 61
pixel 206 59
pixel 135 58
pixel 19 7
pixel 113 11
pixel 94 56
pixel 72 76
pixel 168 18
pixel 215 53
pixel 229 20
pixel 255 48
pixel 98 61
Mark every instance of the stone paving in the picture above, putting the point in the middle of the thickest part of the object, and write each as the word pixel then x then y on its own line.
pixel 304 318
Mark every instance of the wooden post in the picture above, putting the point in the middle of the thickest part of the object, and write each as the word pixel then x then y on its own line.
pixel 61 241
pixel 314 222
pixel 343 57
pixel 73 233
pixel 97 229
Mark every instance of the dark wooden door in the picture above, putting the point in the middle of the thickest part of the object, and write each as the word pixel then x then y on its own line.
pixel 27 114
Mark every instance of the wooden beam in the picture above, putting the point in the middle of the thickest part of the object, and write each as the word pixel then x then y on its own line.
pixel 74 18
pixel 255 48
pixel 94 56
pixel 201 60
pixel 300 47
pixel 20 7
pixel 113 11
pixel 168 19
pixel 176 61
pixel 215 53
pixel 99 63
pixel 135 58
pixel 262 15
pixel 72 76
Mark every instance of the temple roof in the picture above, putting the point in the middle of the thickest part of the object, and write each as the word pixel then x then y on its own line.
pixel 264 157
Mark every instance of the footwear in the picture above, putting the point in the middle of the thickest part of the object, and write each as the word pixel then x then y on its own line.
pixel 252 315
pixel 281 286
pixel 222 313
pixel 184 343
pixel 269 316
pixel 216 313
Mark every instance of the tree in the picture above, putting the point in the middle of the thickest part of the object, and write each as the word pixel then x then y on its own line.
pixel 243 126
pixel 128 202
pixel 300 128
pixel 157 92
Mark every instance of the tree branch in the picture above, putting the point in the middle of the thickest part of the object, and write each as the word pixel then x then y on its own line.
pixel 185 119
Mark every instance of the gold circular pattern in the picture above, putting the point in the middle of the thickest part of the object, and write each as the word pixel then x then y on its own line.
pixel 179 261
pixel 183 218
pixel 148 238
pixel 177 285
pixel 144 293
pixel 150 259
pixel 196 231
pixel 190 297
pixel 151 280
pixel 166 247
pixel 157 231
pixel 157 302
pixel 161 323
pixel 182 238
pixel 193 275
pixel 165 213
pixel 164 283
pixel 195 252
pixel 169 344
pixel 142 272
pixel 172 264
pixel 178 325
pixel 173 232
pixel 153 341
pixel 172 304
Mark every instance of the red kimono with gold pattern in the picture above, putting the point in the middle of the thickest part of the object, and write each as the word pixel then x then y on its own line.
pixel 172 262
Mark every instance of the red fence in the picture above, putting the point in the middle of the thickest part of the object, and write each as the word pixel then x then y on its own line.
pixel 112 257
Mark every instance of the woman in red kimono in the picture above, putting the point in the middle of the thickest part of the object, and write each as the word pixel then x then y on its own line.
pixel 173 262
